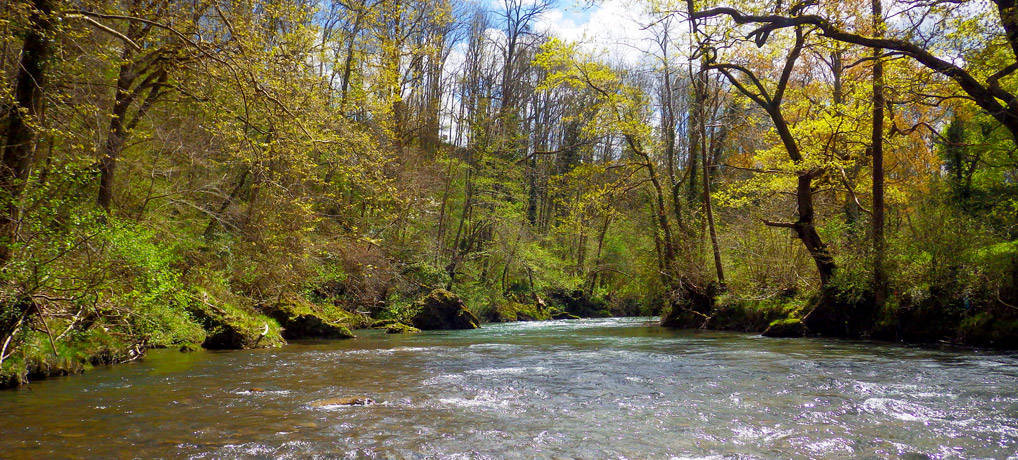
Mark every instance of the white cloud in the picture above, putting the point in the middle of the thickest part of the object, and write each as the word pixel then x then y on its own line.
pixel 612 29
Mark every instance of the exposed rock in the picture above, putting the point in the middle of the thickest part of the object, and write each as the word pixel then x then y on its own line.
pixel 837 313
pixel 790 327
pixel 383 323
pixel 400 328
pixel 232 326
pixel 508 311
pixel 301 319
pixel 693 309
pixel 442 309
pixel 344 401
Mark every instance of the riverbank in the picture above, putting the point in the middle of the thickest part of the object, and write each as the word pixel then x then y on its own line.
pixel 213 324
pixel 57 346
pixel 836 317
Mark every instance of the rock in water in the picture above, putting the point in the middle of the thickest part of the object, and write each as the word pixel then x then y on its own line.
pixel 791 327
pixel 400 328
pixel 345 401
pixel 300 320
pixel 442 309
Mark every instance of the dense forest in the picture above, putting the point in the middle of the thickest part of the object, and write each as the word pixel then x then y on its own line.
pixel 209 172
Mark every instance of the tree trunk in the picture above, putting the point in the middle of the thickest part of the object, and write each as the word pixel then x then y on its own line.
pixel 597 258
pixel 120 127
pixel 877 149
pixel 19 149
pixel 116 134
pixel 701 96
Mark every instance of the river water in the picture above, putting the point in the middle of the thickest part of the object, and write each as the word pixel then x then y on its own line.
pixel 586 389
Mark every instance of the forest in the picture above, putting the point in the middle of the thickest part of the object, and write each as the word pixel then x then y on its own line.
pixel 235 173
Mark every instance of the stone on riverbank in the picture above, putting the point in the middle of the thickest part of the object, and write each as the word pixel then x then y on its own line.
pixel 400 328
pixel 233 326
pixel 442 309
pixel 302 319
pixel 509 311
pixel 790 327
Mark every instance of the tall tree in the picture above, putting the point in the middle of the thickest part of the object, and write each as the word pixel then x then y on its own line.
pixel 23 119
pixel 877 149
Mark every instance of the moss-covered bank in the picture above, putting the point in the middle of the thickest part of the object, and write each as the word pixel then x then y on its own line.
pixel 56 346
pixel 839 314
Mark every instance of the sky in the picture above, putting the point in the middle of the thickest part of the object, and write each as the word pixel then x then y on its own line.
pixel 609 29
pixel 613 28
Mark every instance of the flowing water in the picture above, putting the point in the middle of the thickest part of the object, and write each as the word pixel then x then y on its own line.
pixel 587 389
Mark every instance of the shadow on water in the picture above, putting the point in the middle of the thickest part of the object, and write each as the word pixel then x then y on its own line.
pixel 587 388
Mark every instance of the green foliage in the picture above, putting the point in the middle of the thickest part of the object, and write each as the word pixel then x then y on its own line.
pixel 159 308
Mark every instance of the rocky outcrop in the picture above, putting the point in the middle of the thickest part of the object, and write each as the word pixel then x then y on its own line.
pixel 791 327
pixel 400 328
pixel 442 309
pixel 301 319
pixel 232 326
pixel 509 311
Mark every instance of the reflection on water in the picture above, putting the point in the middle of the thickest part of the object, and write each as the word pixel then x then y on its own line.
pixel 588 388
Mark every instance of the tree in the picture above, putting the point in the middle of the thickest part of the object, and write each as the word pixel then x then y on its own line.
pixel 22 119
pixel 770 100
pixel 989 94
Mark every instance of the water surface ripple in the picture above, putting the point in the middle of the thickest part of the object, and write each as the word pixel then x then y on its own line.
pixel 579 389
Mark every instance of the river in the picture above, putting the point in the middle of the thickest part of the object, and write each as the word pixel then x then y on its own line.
pixel 586 388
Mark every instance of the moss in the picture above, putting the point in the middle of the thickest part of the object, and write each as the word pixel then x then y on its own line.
pixel 508 311
pixel 302 319
pixel 400 328
pixel 742 315
pixel 559 314
pixel 234 326
pixel 787 327
pixel 383 323
pixel 442 309
pixel 74 353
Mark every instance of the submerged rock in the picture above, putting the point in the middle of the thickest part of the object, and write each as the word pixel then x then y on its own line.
pixel 344 401
pixel 442 309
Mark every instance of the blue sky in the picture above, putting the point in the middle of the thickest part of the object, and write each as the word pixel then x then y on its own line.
pixel 613 28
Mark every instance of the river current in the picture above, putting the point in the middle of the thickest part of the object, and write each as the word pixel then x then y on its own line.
pixel 599 388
